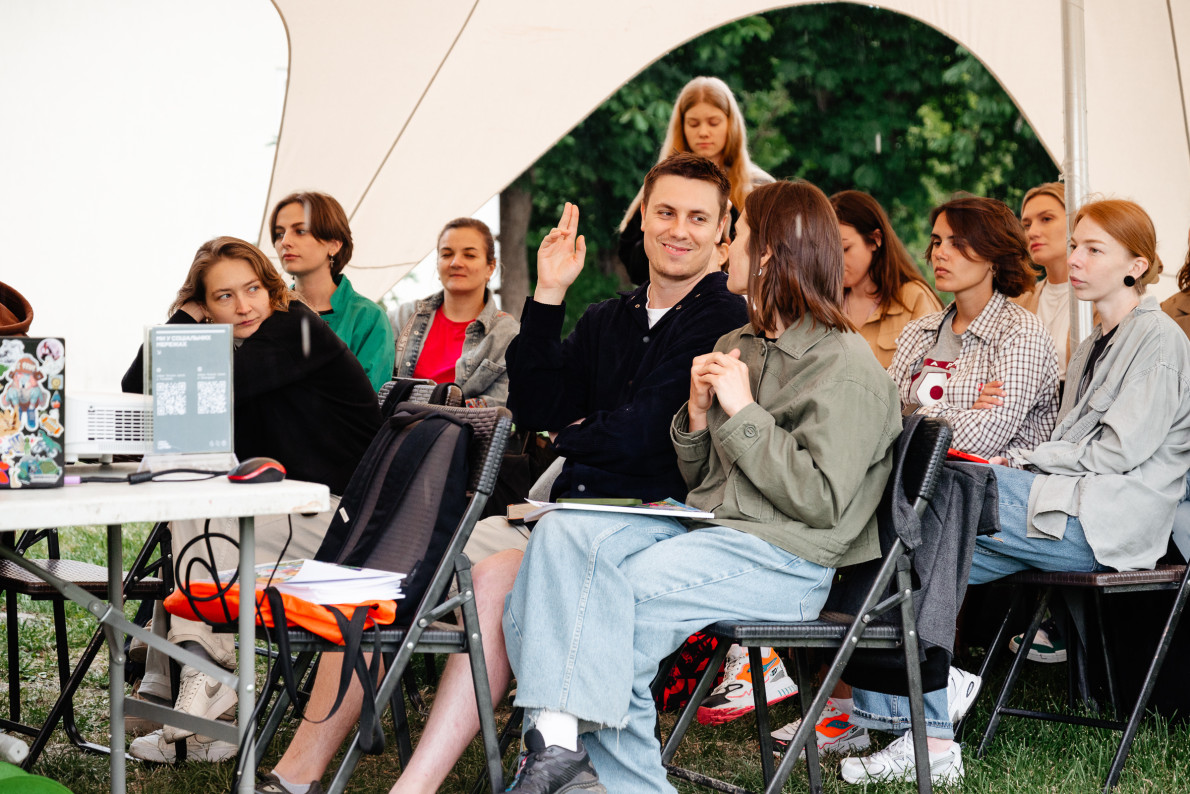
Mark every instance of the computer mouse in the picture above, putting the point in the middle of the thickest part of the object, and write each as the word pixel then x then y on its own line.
pixel 254 470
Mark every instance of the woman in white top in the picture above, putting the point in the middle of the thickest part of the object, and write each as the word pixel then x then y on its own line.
pixel 1043 214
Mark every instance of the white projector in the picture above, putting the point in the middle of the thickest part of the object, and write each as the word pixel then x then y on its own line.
pixel 99 425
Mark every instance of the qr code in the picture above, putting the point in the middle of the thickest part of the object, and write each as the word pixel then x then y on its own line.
pixel 171 399
pixel 212 397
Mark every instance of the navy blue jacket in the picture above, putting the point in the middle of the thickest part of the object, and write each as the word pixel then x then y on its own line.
pixel 622 378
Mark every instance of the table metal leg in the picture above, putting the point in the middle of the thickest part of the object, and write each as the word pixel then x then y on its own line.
pixel 247 653
pixel 115 595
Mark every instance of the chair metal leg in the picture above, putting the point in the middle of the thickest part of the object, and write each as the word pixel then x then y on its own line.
pixel 14 665
pixel 760 698
pixel 281 705
pixel 1014 672
pixel 998 642
pixel 1108 667
pixel 1146 690
pixel 813 762
pixel 917 715
pixel 700 692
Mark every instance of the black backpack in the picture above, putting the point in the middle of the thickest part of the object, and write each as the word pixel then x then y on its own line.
pixel 405 500
pixel 399 513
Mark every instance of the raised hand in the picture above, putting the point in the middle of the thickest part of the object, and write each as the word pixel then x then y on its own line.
pixel 560 258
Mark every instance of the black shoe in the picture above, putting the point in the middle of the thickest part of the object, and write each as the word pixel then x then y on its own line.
pixel 553 769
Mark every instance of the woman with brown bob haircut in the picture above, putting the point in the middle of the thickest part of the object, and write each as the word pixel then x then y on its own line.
pixel 787 437
pixel 300 397
pixel 882 288
pixel 313 242
pixel 984 364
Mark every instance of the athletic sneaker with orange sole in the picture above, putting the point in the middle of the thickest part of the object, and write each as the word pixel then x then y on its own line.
pixel 733 697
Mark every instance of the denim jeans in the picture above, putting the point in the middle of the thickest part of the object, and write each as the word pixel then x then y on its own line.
pixel 996 556
pixel 602 598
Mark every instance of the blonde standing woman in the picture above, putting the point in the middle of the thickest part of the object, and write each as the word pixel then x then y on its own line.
pixel 706 121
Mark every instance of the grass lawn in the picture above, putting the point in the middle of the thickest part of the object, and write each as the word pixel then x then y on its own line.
pixel 1027 756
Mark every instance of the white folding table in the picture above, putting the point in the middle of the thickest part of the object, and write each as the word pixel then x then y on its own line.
pixel 115 504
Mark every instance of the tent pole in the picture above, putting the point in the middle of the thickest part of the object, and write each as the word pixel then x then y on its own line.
pixel 1078 183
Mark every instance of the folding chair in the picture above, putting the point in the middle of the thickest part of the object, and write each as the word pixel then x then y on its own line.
pixel 149 578
pixel 491 427
pixel 418 390
pixel 1077 586
pixel 919 459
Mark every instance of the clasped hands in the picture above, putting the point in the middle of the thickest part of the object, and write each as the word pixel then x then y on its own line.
pixel 720 375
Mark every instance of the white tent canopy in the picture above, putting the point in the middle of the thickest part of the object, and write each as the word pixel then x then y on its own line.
pixel 413 113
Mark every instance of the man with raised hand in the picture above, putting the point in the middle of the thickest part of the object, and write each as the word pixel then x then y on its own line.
pixel 609 391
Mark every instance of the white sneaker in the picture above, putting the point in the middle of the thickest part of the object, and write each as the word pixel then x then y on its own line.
pixel 961 690
pixel 733 697
pixel 895 762
pixel 154 747
pixel 835 733
pixel 202 696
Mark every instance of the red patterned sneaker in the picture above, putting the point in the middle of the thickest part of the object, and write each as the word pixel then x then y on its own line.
pixel 733 697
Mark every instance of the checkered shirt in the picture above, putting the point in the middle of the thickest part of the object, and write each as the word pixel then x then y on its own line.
pixel 1005 343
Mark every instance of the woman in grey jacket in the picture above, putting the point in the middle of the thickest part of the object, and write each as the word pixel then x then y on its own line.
pixel 787 438
pixel 458 335
pixel 1102 492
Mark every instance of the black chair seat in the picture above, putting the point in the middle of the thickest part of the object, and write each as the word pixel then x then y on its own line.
pixel 799 634
pixel 1169 575
pixel 390 640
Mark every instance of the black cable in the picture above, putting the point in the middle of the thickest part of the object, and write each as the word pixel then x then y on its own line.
pixel 147 476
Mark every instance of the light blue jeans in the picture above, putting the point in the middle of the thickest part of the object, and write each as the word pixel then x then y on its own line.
pixel 602 598
pixel 995 557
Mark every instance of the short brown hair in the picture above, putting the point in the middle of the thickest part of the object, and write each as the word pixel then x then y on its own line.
pixel 325 219
pixel 212 252
pixel 1130 226
pixel 986 228
pixel 892 267
pixel 794 223
pixel 689 166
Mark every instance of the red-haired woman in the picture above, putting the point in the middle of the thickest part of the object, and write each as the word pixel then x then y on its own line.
pixel 1101 490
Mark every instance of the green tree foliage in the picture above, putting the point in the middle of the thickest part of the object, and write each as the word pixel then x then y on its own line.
pixel 843 95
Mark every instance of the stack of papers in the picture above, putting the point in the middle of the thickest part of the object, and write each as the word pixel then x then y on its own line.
pixel 326 583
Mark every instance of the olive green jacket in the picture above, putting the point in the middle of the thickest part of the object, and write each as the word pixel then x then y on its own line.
pixel 803 467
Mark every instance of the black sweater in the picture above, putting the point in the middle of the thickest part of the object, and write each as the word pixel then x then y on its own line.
pixel 315 413
pixel 622 378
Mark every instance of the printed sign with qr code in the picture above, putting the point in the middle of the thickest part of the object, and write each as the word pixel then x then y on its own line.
pixel 189 376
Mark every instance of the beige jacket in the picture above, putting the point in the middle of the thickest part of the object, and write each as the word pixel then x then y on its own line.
pixel 885 325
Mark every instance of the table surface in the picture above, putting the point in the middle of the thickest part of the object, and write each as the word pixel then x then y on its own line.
pixel 105 504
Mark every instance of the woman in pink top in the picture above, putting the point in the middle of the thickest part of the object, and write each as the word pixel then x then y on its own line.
pixel 458 335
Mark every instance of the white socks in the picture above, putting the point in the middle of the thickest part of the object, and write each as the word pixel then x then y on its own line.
pixel 557 728
pixel 844 705
pixel 292 788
